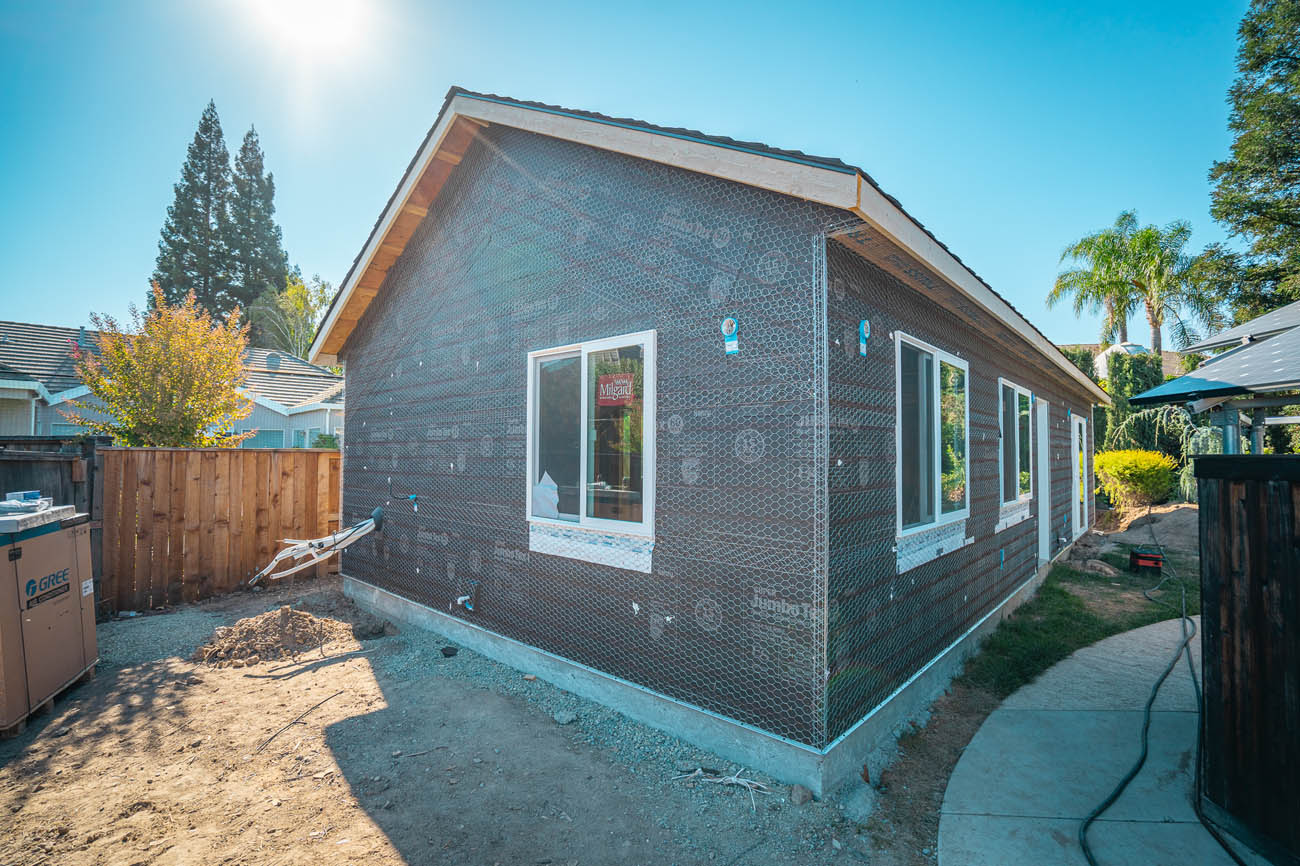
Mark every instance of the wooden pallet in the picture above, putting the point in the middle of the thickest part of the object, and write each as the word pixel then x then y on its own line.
pixel 46 705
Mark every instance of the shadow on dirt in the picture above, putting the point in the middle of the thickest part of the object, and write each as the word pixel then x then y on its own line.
pixel 457 774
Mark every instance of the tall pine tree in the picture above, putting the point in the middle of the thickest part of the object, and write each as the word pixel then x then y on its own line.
pixel 255 240
pixel 193 252
pixel 1257 192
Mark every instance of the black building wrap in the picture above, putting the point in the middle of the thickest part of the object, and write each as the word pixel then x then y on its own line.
pixel 884 626
pixel 773 597
pixel 535 243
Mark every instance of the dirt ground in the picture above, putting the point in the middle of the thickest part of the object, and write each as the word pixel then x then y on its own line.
pixel 1176 527
pixel 378 749
pixel 403 756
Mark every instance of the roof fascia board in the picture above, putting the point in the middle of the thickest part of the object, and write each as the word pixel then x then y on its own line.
pixel 788 176
pixel 266 402
pixel 417 169
pixel 23 385
pixel 846 190
pixel 313 407
pixel 70 394
pixel 886 217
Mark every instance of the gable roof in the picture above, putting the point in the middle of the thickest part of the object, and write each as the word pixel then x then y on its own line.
pixel 820 179
pixel 42 354
pixel 289 380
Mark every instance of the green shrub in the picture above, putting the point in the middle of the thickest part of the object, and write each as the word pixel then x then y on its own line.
pixel 1133 479
pixel 325 440
pixel 1130 375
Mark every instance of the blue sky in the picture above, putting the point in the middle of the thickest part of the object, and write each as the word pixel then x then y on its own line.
pixel 1008 129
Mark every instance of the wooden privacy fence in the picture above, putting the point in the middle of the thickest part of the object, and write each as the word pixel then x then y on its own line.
pixel 182 524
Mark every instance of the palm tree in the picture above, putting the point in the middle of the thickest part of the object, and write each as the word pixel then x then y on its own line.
pixel 1103 280
pixel 1128 266
pixel 1169 285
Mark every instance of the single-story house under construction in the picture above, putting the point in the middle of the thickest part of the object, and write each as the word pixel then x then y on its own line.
pixel 711 432
pixel 292 399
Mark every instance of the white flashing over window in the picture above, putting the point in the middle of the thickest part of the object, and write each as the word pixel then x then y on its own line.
pixel 591 545
pixel 918 548
pixel 1011 514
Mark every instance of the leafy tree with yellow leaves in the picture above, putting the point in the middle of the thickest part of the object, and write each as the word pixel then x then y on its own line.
pixel 172 379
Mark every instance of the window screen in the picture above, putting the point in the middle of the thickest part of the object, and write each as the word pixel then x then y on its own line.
pixel 1010 458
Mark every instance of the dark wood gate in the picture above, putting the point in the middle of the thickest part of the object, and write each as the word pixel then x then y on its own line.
pixel 1250 637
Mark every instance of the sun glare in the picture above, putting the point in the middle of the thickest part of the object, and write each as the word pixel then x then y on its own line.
pixel 311 31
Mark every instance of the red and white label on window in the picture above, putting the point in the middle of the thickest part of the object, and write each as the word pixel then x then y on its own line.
pixel 615 389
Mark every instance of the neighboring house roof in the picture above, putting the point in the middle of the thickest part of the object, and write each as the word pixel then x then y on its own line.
pixel 813 178
pixel 1258 328
pixel 291 381
pixel 42 354
pixel 1171 363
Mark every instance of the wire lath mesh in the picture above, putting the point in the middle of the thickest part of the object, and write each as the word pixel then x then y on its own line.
pixel 536 243
pixel 885 626
pixel 775 467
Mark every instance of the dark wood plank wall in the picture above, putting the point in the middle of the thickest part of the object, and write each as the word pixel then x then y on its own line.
pixel 1250 584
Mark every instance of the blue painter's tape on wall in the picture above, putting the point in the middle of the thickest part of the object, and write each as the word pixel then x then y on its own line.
pixel 730 332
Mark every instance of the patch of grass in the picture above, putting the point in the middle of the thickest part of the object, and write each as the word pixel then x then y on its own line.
pixel 1071 610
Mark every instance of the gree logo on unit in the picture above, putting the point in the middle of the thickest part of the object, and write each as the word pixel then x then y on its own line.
pixel 48 587
pixel 49 581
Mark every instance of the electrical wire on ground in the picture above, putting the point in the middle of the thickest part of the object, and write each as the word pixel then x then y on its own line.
pixel 1184 649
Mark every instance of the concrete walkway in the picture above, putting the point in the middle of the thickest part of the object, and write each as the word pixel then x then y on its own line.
pixel 1053 750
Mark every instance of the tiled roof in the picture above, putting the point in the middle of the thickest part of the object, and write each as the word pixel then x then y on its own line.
pixel 44 353
pixel 289 380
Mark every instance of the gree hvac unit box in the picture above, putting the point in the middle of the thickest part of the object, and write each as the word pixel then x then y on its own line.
pixel 47 609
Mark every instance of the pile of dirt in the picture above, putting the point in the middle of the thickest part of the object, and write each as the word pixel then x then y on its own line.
pixel 276 634
pixel 365 626
pixel 1176 525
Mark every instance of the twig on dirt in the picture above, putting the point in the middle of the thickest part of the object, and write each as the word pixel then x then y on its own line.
pixel 268 740
pixel 424 752
pixel 734 779
pixel 176 727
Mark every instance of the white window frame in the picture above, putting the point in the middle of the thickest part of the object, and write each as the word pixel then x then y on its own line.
pixel 647 341
pixel 940 356
pixel 1017 390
